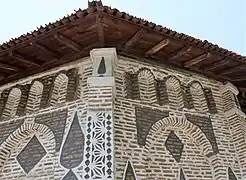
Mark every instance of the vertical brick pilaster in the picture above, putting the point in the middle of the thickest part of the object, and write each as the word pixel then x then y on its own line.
pixel 100 116
pixel 235 119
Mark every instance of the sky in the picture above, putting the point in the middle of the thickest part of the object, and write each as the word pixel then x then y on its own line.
pixel 222 22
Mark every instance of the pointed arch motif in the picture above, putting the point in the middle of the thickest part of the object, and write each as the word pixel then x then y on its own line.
pixel 174 92
pixel 184 125
pixel 12 103
pixel 16 137
pixel 147 86
pixel 129 172
pixel 34 97
pixel 198 97
pixel 59 90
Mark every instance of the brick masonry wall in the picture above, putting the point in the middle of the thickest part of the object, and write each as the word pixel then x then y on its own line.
pixel 43 124
pixel 152 122
pixel 192 141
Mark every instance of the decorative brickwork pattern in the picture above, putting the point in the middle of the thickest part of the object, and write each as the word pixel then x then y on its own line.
pixel 32 153
pixel 70 176
pixel 56 121
pixel 147 86
pixel 181 175
pixel 47 90
pixel 129 173
pixel 174 146
pixel 231 174
pixel 145 118
pixel 198 96
pixel 99 155
pixel 12 103
pixel 205 124
pixel 34 98
pixel 73 149
pixel 174 92
pixel 59 92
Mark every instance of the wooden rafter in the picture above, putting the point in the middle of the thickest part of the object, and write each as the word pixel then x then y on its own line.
pixel 158 47
pixel 23 58
pixel 134 39
pixel 216 64
pixel 68 42
pixel 47 50
pixel 100 30
pixel 197 60
pixel 230 70
pixel 8 67
pixel 180 53
pixel 238 79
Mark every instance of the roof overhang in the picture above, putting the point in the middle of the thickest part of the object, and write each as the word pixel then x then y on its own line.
pixel 74 36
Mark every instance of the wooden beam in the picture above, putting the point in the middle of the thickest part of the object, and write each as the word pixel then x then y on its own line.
pixel 134 39
pixel 233 69
pixel 180 53
pixel 158 47
pixel 22 58
pixel 216 64
pixel 238 79
pixel 100 30
pixel 8 67
pixel 68 42
pixel 46 49
pixel 197 60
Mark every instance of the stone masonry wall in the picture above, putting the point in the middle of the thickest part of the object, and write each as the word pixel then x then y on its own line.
pixel 171 124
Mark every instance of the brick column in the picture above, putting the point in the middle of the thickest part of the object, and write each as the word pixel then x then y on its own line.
pixel 99 163
pixel 235 120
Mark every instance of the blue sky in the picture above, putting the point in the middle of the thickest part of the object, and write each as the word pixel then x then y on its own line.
pixel 221 22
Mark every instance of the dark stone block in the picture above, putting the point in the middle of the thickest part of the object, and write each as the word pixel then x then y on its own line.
pixel 31 154
pixel 162 95
pixel 73 148
pixel 47 90
pixel 188 101
pixel 145 118
pixel 129 175
pixel 70 176
pixel 56 121
pixel 102 67
pixel 231 174
pixel 131 86
pixel 205 124
pixel 3 100
pixel 23 99
pixel 210 101
pixel 72 84
pixel 174 146
pixel 181 176
pixel 8 128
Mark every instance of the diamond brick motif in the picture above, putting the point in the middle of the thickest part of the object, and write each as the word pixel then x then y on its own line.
pixel 31 154
pixel 174 146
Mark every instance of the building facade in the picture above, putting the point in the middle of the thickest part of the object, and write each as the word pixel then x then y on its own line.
pixel 110 116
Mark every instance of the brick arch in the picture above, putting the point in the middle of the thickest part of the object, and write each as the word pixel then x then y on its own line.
pixel 12 103
pixel 198 96
pixel 34 97
pixel 174 92
pixel 21 133
pixel 184 125
pixel 59 91
pixel 147 85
